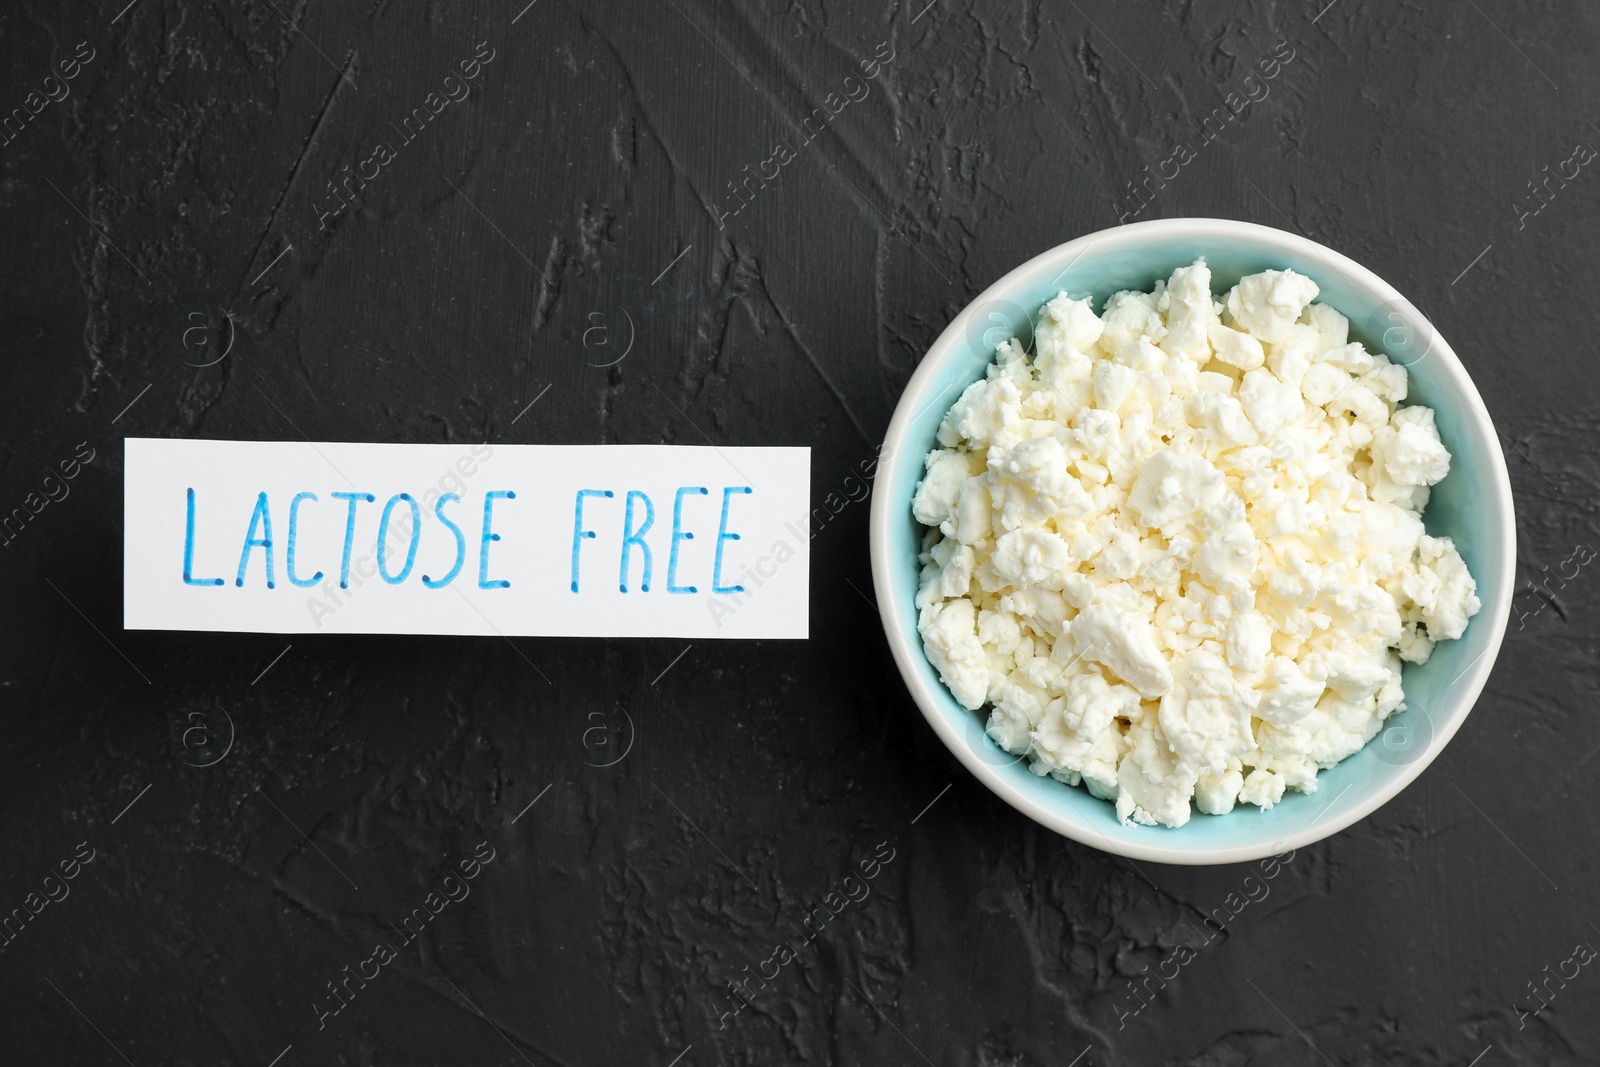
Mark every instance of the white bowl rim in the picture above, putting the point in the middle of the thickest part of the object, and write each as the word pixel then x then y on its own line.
pixel 908 656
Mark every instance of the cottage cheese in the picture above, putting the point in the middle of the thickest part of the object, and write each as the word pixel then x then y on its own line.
pixel 1178 552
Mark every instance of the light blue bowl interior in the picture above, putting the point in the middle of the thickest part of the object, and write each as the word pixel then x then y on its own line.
pixel 1459 508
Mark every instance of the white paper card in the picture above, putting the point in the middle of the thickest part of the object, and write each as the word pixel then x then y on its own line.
pixel 546 540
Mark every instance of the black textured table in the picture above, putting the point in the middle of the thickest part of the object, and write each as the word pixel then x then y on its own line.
pixel 674 221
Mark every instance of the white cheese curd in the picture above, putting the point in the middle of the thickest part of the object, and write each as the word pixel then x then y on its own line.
pixel 1177 554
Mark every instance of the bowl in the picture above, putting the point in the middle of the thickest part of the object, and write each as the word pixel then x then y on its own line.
pixel 1472 505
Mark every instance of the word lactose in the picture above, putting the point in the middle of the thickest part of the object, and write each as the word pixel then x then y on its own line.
pixel 398 528
pixel 259 535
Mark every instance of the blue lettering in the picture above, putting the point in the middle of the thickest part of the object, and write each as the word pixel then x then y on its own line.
pixel 578 532
pixel 294 527
pixel 484 581
pixel 724 536
pixel 349 532
pixel 461 545
pixel 262 519
pixel 383 538
pixel 188 552
pixel 631 537
pixel 678 535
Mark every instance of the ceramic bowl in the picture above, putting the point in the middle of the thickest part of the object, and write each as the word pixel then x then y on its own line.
pixel 1472 505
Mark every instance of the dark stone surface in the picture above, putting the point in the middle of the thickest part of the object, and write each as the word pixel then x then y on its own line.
pixel 177 199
